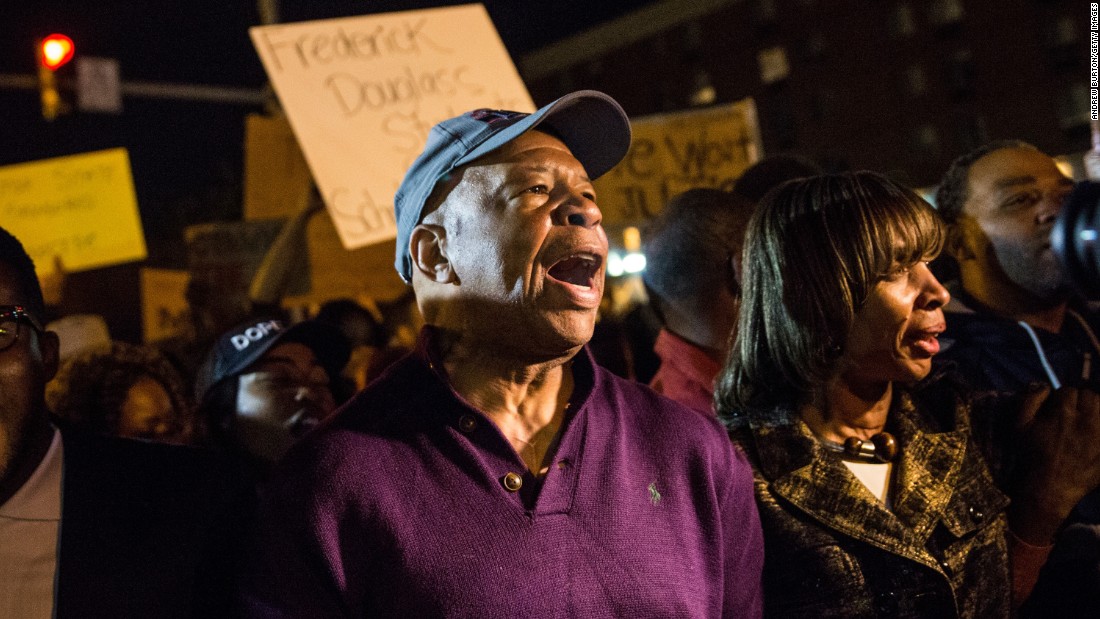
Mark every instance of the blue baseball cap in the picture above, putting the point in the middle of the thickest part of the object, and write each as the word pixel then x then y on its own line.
pixel 590 123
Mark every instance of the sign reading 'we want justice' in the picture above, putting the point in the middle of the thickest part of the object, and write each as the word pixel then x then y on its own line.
pixel 362 93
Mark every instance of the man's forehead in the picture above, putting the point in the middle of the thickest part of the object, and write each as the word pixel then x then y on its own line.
pixel 1009 167
pixel 523 155
pixel 532 152
pixel 524 149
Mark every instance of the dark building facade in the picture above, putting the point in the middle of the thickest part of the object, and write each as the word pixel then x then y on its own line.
pixel 897 86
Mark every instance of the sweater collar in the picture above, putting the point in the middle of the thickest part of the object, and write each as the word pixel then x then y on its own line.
pixel 583 366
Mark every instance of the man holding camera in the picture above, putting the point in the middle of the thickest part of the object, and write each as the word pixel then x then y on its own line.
pixel 1015 327
pixel 1016 320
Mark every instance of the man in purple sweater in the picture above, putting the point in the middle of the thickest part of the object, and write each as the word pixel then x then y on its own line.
pixel 496 471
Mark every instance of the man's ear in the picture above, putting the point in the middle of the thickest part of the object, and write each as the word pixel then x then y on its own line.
pixel 428 246
pixel 961 242
pixel 736 274
pixel 49 346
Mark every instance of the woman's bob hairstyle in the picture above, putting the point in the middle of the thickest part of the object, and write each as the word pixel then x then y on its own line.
pixel 814 250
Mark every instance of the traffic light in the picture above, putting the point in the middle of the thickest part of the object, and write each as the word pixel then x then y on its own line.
pixel 53 53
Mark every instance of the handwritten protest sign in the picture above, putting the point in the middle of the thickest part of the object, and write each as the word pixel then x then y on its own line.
pixel 339 272
pixel 671 153
pixel 362 93
pixel 229 254
pixel 164 310
pixel 276 178
pixel 81 208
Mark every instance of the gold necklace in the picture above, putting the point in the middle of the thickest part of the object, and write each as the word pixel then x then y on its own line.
pixel 881 447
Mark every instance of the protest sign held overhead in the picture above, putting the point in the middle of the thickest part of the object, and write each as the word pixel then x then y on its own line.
pixel 362 93
pixel 81 209
pixel 276 178
pixel 671 153
pixel 164 309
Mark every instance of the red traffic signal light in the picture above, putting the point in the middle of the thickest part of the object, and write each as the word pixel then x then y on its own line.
pixel 55 50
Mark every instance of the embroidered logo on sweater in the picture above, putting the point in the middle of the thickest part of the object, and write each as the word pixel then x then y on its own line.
pixel 654 495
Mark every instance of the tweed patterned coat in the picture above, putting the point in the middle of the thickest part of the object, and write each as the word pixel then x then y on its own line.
pixel 834 550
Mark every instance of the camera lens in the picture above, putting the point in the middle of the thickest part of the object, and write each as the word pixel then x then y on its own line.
pixel 1075 237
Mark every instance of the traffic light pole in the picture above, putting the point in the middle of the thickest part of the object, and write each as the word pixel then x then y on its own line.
pixel 156 90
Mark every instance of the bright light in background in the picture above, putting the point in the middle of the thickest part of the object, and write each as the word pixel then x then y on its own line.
pixel 614 264
pixel 632 239
pixel 634 262
pixel 57 49
pixel 630 261
pixel 617 264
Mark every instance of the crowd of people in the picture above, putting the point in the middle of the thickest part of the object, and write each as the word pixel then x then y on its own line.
pixel 865 406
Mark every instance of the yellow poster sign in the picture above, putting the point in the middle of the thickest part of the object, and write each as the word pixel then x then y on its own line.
pixel 362 93
pixel 671 153
pixel 81 208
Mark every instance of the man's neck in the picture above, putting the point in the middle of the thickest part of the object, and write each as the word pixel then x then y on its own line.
pixel 708 328
pixel 1015 304
pixel 526 399
pixel 29 454
pixel 716 355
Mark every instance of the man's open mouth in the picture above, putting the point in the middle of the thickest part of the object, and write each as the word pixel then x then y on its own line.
pixel 577 269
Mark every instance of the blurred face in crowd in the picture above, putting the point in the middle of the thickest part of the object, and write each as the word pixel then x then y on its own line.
pixel 894 333
pixel 1013 198
pixel 526 244
pixel 279 398
pixel 148 413
pixel 26 365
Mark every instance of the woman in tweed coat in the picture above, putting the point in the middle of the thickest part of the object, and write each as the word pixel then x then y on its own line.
pixel 875 499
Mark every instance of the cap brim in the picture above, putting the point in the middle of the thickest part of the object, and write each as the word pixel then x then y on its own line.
pixel 329 345
pixel 590 123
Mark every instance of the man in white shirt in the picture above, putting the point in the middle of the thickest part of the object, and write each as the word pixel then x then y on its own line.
pixel 146 527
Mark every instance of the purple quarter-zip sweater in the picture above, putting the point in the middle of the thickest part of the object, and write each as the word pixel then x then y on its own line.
pixel 410 503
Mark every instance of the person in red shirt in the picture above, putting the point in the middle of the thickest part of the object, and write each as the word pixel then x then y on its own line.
pixel 693 252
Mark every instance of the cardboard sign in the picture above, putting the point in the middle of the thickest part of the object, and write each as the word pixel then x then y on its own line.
pixel 164 310
pixel 362 93
pixel 671 153
pixel 229 254
pixel 276 178
pixel 81 208
pixel 339 272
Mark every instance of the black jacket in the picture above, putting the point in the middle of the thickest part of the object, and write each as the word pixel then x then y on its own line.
pixel 994 354
pixel 147 530
pixel 990 353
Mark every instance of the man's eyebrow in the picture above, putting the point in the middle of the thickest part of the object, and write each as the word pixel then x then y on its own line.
pixel 1026 179
pixel 532 167
pixel 526 168
pixel 1013 181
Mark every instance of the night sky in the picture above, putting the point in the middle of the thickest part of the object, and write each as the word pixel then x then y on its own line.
pixel 186 156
